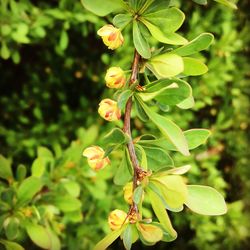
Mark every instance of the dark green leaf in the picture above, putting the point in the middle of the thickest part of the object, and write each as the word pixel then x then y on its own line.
pixel 123 98
pixel 21 172
pixel 140 111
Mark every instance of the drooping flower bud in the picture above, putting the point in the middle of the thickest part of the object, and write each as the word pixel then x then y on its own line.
pixel 111 36
pixel 95 158
pixel 115 78
pixel 109 110
pixel 128 193
pixel 116 219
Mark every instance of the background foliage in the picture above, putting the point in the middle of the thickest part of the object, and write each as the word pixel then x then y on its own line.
pixel 52 77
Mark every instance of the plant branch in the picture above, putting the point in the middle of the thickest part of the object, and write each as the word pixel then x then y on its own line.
pixel 127 129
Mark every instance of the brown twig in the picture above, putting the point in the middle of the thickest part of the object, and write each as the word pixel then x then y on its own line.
pixel 127 129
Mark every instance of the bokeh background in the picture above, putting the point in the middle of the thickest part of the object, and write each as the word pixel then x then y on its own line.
pixel 52 69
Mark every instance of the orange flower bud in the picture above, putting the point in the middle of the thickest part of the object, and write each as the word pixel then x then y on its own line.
pixel 95 158
pixel 116 219
pixel 128 193
pixel 109 110
pixel 115 78
pixel 111 36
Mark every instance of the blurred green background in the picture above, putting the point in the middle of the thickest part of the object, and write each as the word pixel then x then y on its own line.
pixel 52 69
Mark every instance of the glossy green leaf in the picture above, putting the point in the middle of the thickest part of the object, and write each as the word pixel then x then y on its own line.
pixel 38 167
pixel 10 245
pixel 161 213
pixel 100 8
pixel 173 189
pixel 123 98
pixel 205 200
pixel 122 20
pixel 28 188
pixel 127 237
pixel 227 3
pixel 165 65
pixel 169 129
pixel 167 20
pixel 137 195
pixel 168 38
pixel 39 235
pixel 201 42
pixel 67 203
pixel 109 239
pixel 5 168
pixel 141 44
pixel 194 67
pixel 115 136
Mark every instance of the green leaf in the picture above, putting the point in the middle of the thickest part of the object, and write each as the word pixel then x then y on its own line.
pixel 5 52
pixel 165 65
pixel 137 195
pixel 72 187
pixel 100 8
pixel 187 103
pixel 11 225
pixel 9 245
pixel 202 2
pixel 122 20
pixel 167 91
pixel 109 239
pixel 194 67
pixel 5 168
pixel 64 40
pixel 168 38
pixel 127 237
pixel 205 200
pixel 140 111
pixel 38 167
pixel 123 173
pixel 157 158
pixel 227 3
pixel 39 235
pixel 21 172
pixel 173 189
pixel 201 42
pixel 28 188
pixel 141 155
pixel 167 20
pixel 196 137
pixel 161 213
pixel 115 136
pixel 169 129
pixel 141 44
pixel 67 203
pixel 123 98
pixel 149 232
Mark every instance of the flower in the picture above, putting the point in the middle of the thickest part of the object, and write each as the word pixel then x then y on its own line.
pixel 109 110
pixel 115 78
pixel 95 158
pixel 128 193
pixel 116 219
pixel 111 36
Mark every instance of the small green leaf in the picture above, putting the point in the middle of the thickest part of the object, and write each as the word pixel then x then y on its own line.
pixel 99 8
pixel 67 203
pixel 169 129
pixel 165 65
pixel 72 187
pixel 227 3
pixel 140 42
pixel 5 52
pixel 194 67
pixel 123 98
pixel 5 168
pixel 21 172
pixel 9 245
pixel 127 237
pixel 187 103
pixel 109 239
pixel 149 232
pixel 122 20
pixel 137 195
pixel 64 40
pixel 142 156
pixel 201 42
pixel 202 2
pixel 28 188
pixel 161 213
pixel 140 111
pixel 115 136
pixel 205 200
pixel 38 167
pixel 196 137
pixel 39 235
pixel 11 225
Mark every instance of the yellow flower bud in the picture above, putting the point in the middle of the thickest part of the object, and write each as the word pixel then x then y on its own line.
pixel 116 219
pixel 95 158
pixel 111 36
pixel 109 110
pixel 128 193
pixel 115 78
